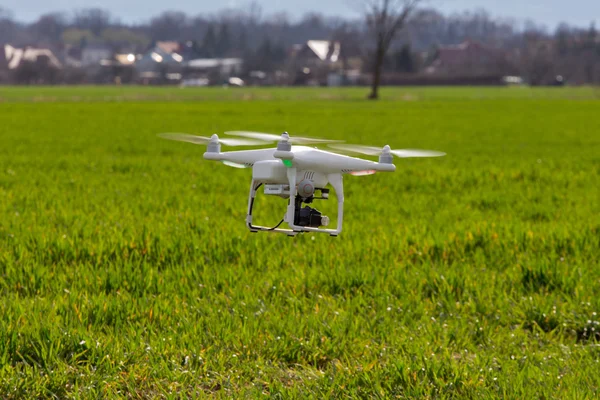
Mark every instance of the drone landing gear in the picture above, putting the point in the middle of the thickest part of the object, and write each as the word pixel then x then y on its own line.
pixel 300 219
pixel 257 228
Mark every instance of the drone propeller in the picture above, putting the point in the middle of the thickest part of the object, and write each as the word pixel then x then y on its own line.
pixel 269 137
pixel 184 137
pixel 376 151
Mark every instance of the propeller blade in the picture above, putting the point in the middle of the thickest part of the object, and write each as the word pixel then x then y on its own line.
pixel 234 165
pixel 355 148
pixel 241 142
pixel 375 151
pixel 265 137
pixel 270 137
pixel 408 153
pixel 184 137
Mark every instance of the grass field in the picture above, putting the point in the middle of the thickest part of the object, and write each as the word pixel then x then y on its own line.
pixel 126 268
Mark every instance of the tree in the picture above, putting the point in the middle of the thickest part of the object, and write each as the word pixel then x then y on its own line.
pixel 209 44
pixel 561 38
pixel 268 56
pixel 123 37
pixel 253 13
pixel 49 27
pixel 592 34
pixel 242 41
pixel 385 18
pixel 404 60
pixel 8 27
pixel 168 25
pixel 94 19
pixel 265 54
pixel 78 37
pixel 224 40
pixel 590 54
pixel 536 59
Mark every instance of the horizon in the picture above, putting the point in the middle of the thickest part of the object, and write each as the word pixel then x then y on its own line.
pixel 546 15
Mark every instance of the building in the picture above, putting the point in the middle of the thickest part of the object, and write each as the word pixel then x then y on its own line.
pixel 15 57
pixel 92 54
pixel 29 65
pixel 317 53
pixel 314 62
pixel 216 67
pixel 161 63
pixel 324 63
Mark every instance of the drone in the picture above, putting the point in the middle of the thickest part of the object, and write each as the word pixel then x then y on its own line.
pixel 298 173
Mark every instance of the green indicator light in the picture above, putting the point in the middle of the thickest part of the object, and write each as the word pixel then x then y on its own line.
pixel 287 163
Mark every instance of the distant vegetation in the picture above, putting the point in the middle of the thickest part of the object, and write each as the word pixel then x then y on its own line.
pixel 263 40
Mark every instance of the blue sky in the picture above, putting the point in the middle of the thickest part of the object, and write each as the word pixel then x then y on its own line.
pixel 547 12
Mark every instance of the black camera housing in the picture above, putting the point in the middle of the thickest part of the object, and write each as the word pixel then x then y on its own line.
pixel 307 216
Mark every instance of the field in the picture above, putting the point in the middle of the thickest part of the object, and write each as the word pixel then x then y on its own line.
pixel 126 269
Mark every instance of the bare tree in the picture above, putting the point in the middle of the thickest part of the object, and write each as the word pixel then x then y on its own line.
pixel 9 29
pixel 385 18
pixel 168 26
pixel 94 19
pixel 49 27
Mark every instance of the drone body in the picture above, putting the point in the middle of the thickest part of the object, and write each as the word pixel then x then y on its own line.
pixel 297 173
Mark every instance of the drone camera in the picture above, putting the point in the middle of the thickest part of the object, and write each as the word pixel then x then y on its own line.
pixel 311 217
pixel 308 216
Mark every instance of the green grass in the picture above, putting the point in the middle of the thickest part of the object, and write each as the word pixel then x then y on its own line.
pixel 126 268
pixel 153 93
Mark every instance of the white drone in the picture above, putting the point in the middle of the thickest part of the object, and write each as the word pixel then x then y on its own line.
pixel 296 172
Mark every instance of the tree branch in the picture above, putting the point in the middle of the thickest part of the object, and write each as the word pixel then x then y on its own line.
pixel 385 18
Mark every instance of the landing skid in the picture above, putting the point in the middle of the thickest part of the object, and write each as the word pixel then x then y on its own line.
pixel 334 179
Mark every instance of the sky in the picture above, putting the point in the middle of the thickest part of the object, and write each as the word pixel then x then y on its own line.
pixel 545 12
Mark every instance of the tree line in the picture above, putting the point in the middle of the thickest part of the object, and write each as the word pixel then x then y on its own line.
pixel 247 27
pixel 263 40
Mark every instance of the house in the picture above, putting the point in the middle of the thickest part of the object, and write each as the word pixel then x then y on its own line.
pixel 470 58
pixel 92 54
pixel 15 57
pixel 71 56
pixel 218 68
pixel 317 53
pixel 29 65
pixel 161 63
pixel 168 47
pixel 319 62
pixel 170 62
pixel 120 68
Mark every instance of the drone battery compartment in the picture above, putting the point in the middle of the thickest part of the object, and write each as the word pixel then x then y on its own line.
pixel 270 171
